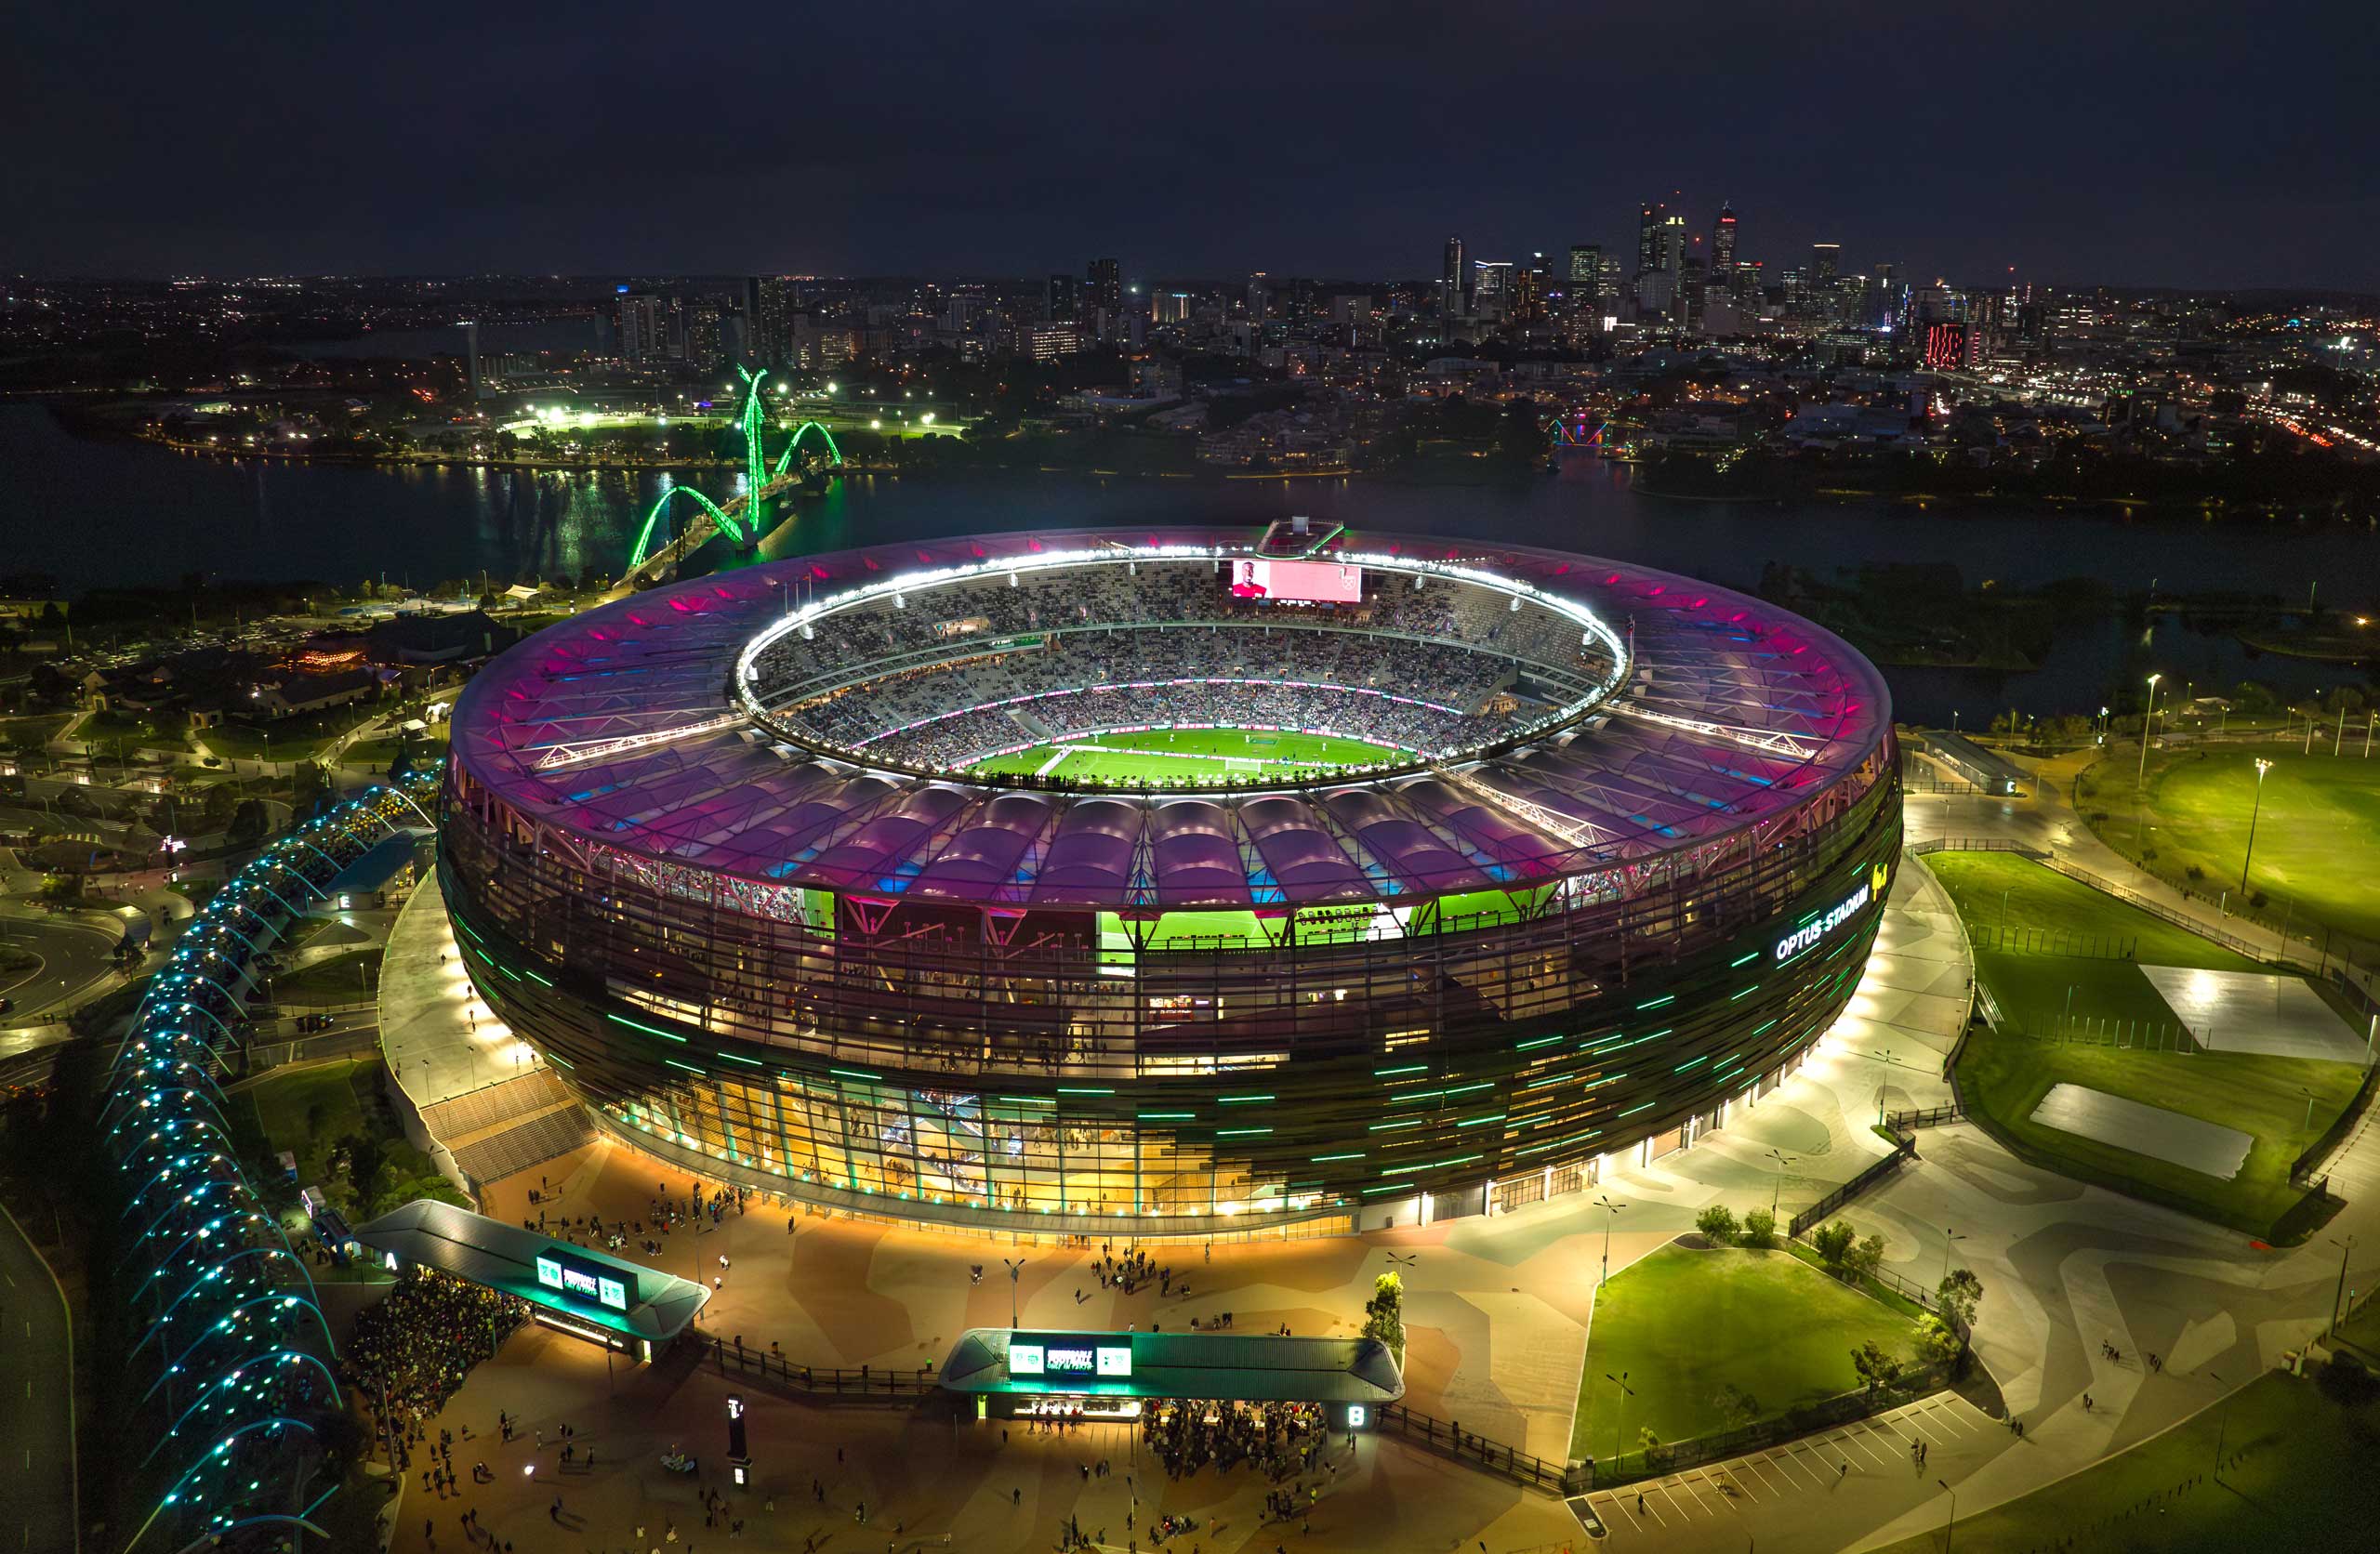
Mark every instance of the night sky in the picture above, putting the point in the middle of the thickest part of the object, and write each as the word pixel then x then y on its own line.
pixel 2190 145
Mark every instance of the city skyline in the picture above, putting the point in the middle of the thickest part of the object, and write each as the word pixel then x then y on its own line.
pixel 2207 152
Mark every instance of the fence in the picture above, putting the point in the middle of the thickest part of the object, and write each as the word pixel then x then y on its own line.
pixel 2301 1170
pixel 1904 1151
pixel 818 1383
pixel 1673 1456
pixel 2345 949
pixel 2123 1035
pixel 2022 940
pixel 1478 1451
pixel 1926 1116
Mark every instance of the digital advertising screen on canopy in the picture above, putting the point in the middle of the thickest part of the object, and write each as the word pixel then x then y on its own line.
pixel 1297 582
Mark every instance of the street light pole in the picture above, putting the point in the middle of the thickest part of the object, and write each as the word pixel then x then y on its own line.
pixel 2255 809
pixel 1952 1529
pixel 2340 1298
pixel 2141 780
pixel 1612 1210
pixel 1782 1160
pixel 1619 1381
pixel 1015 1268
pixel 1949 1239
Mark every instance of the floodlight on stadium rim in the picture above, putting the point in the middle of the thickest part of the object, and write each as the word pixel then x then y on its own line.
pixel 720 851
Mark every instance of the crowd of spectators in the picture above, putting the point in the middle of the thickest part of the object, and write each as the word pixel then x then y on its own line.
pixel 411 1351
pixel 1278 1439
pixel 935 622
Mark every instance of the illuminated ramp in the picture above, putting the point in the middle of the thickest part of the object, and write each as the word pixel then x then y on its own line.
pixel 577 1289
pixel 1025 1364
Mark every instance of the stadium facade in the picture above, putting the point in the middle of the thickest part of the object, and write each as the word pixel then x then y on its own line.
pixel 722 852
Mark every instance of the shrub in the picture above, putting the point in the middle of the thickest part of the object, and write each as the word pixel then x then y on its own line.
pixel 1832 1243
pixel 1384 1313
pixel 1875 1367
pixel 1760 1228
pixel 1961 1293
pixel 1866 1257
pixel 1718 1223
pixel 1938 1343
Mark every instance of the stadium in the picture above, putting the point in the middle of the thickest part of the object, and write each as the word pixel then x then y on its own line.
pixel 1208 879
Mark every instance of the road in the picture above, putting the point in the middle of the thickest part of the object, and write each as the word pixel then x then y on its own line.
pixel 36 1399
pixel 74 955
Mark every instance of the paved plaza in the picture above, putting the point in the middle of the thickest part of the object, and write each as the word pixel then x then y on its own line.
pixel 1497 1310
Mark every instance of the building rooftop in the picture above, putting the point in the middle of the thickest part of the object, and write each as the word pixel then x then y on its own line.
pixel 617 728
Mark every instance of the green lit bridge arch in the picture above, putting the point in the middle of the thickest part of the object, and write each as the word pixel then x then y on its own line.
pixel 759 482
pixel 803 431
pixel 727 526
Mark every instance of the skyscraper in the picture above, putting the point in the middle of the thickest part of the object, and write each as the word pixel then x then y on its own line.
pixel 1723 244
pixel 1066 298
pixel 1451 281
pixel 1105 291
pixel 1491 286
pixel 1826 263
pixel 1648 237
pixel 1672 241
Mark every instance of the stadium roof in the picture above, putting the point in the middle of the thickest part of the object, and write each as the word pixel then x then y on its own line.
pixel 617 729
pixel 1251 1368
pixel 506 1257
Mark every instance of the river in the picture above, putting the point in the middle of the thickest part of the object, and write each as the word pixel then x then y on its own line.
pixel 110 512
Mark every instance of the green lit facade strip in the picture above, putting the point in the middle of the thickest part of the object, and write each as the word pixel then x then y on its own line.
pixel 648 1030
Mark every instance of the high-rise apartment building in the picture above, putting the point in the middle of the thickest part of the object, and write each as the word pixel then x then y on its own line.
pixel 1105 292
pixel 766 320
pixel 704 346
pixel 1450 280
pixel 644 330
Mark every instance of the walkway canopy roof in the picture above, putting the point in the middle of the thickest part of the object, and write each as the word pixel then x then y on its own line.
pixel 1255 1368
pixel 588 1285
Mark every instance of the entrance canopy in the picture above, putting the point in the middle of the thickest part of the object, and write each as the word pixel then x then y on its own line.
pixel 573 1281
pixel 1219 1365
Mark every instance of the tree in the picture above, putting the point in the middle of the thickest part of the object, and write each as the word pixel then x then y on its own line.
pixel 1717 1223
pixel 1384 1313
pixel 1874 1367
pixel 1646 1441
pixel 1961 1293
pixel 247 824
pixel 1938 1343
pixel 1736 1406
pixel 1760 1228
pixel 1832 1243
pixel 1866 1257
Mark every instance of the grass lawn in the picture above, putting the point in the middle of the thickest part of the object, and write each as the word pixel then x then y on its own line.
pixel 2003 1075
pixel 2044 899
pixel 307 1109
pixel 288 739
pixel 2297 1473
pixel 1681 1324
pixel 343 979
pixel 1162 755
pixel 2317 830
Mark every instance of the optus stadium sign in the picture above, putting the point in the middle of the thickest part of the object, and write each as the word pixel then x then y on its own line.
pixel 1817 931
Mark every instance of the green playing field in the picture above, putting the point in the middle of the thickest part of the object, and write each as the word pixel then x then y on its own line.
pixel 1172 755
